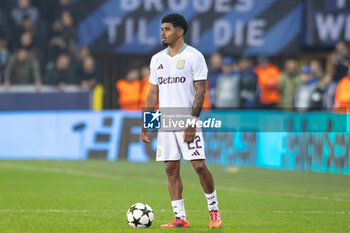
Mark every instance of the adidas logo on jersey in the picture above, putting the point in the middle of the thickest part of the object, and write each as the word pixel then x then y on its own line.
pixel 196 153
pixel 160 67
pixel 170 80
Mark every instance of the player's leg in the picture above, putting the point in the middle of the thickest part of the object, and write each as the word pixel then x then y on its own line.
pixel 205 176
pixel 172 169
pixel 195 153
pixel 168 151
pixel 207 182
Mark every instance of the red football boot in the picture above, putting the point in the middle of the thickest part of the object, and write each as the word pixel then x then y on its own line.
pixel 215 218
pixel 177 222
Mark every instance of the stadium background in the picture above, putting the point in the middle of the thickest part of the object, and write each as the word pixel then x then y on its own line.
pixel 123 35
pixel 87 123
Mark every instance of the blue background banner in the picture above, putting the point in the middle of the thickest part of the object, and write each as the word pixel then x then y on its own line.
pixel 249 27
pixel 114 135
pixel 49 100
pixel 327 22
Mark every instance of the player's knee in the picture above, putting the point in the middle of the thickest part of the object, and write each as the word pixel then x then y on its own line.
pixel 199 167
pixel 171 170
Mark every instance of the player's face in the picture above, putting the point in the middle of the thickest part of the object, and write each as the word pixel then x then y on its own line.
pixel 169 34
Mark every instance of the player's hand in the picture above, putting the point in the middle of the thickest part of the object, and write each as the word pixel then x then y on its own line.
pixel 144 135
pixel 189 134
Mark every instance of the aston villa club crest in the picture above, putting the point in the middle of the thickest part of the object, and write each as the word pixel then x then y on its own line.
pixel 180 64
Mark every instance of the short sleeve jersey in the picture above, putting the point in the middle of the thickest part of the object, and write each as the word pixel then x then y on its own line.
pixel 175 76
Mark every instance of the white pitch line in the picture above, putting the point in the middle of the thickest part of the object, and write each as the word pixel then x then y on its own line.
pixel 310 212
pixel 114 177
pixel 296 195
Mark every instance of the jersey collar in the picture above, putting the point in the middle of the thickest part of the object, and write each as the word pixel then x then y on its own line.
pixel 181 50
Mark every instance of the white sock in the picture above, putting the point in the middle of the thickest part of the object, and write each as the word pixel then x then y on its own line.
pixel 212 201
pixel 179 209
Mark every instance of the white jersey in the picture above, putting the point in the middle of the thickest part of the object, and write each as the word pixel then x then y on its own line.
pixel 175 76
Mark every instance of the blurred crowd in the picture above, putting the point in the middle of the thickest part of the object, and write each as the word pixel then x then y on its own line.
pixel 314 85
pixel 248 83
pixel 38 46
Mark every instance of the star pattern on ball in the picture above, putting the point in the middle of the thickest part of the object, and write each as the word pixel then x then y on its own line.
pixel 136 221
pixel 146 211
pixel 132 208
pixel 149 223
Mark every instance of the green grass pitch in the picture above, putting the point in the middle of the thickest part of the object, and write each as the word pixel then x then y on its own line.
pixel 93 196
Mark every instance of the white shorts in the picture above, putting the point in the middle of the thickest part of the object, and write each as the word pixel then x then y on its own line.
pixel 170 146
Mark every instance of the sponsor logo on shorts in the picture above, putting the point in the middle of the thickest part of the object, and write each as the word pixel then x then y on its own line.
pixel 196 153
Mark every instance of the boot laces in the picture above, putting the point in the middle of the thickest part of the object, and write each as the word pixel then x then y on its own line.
pixel 213 215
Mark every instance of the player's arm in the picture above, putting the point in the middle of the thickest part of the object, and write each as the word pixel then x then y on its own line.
pixel 152 98
pixel 151 104
pixel 200 86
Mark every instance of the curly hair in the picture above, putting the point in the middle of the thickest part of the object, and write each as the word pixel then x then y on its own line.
pixel 177 20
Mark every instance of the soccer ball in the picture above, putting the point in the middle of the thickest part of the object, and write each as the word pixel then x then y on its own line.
pixel 140 215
